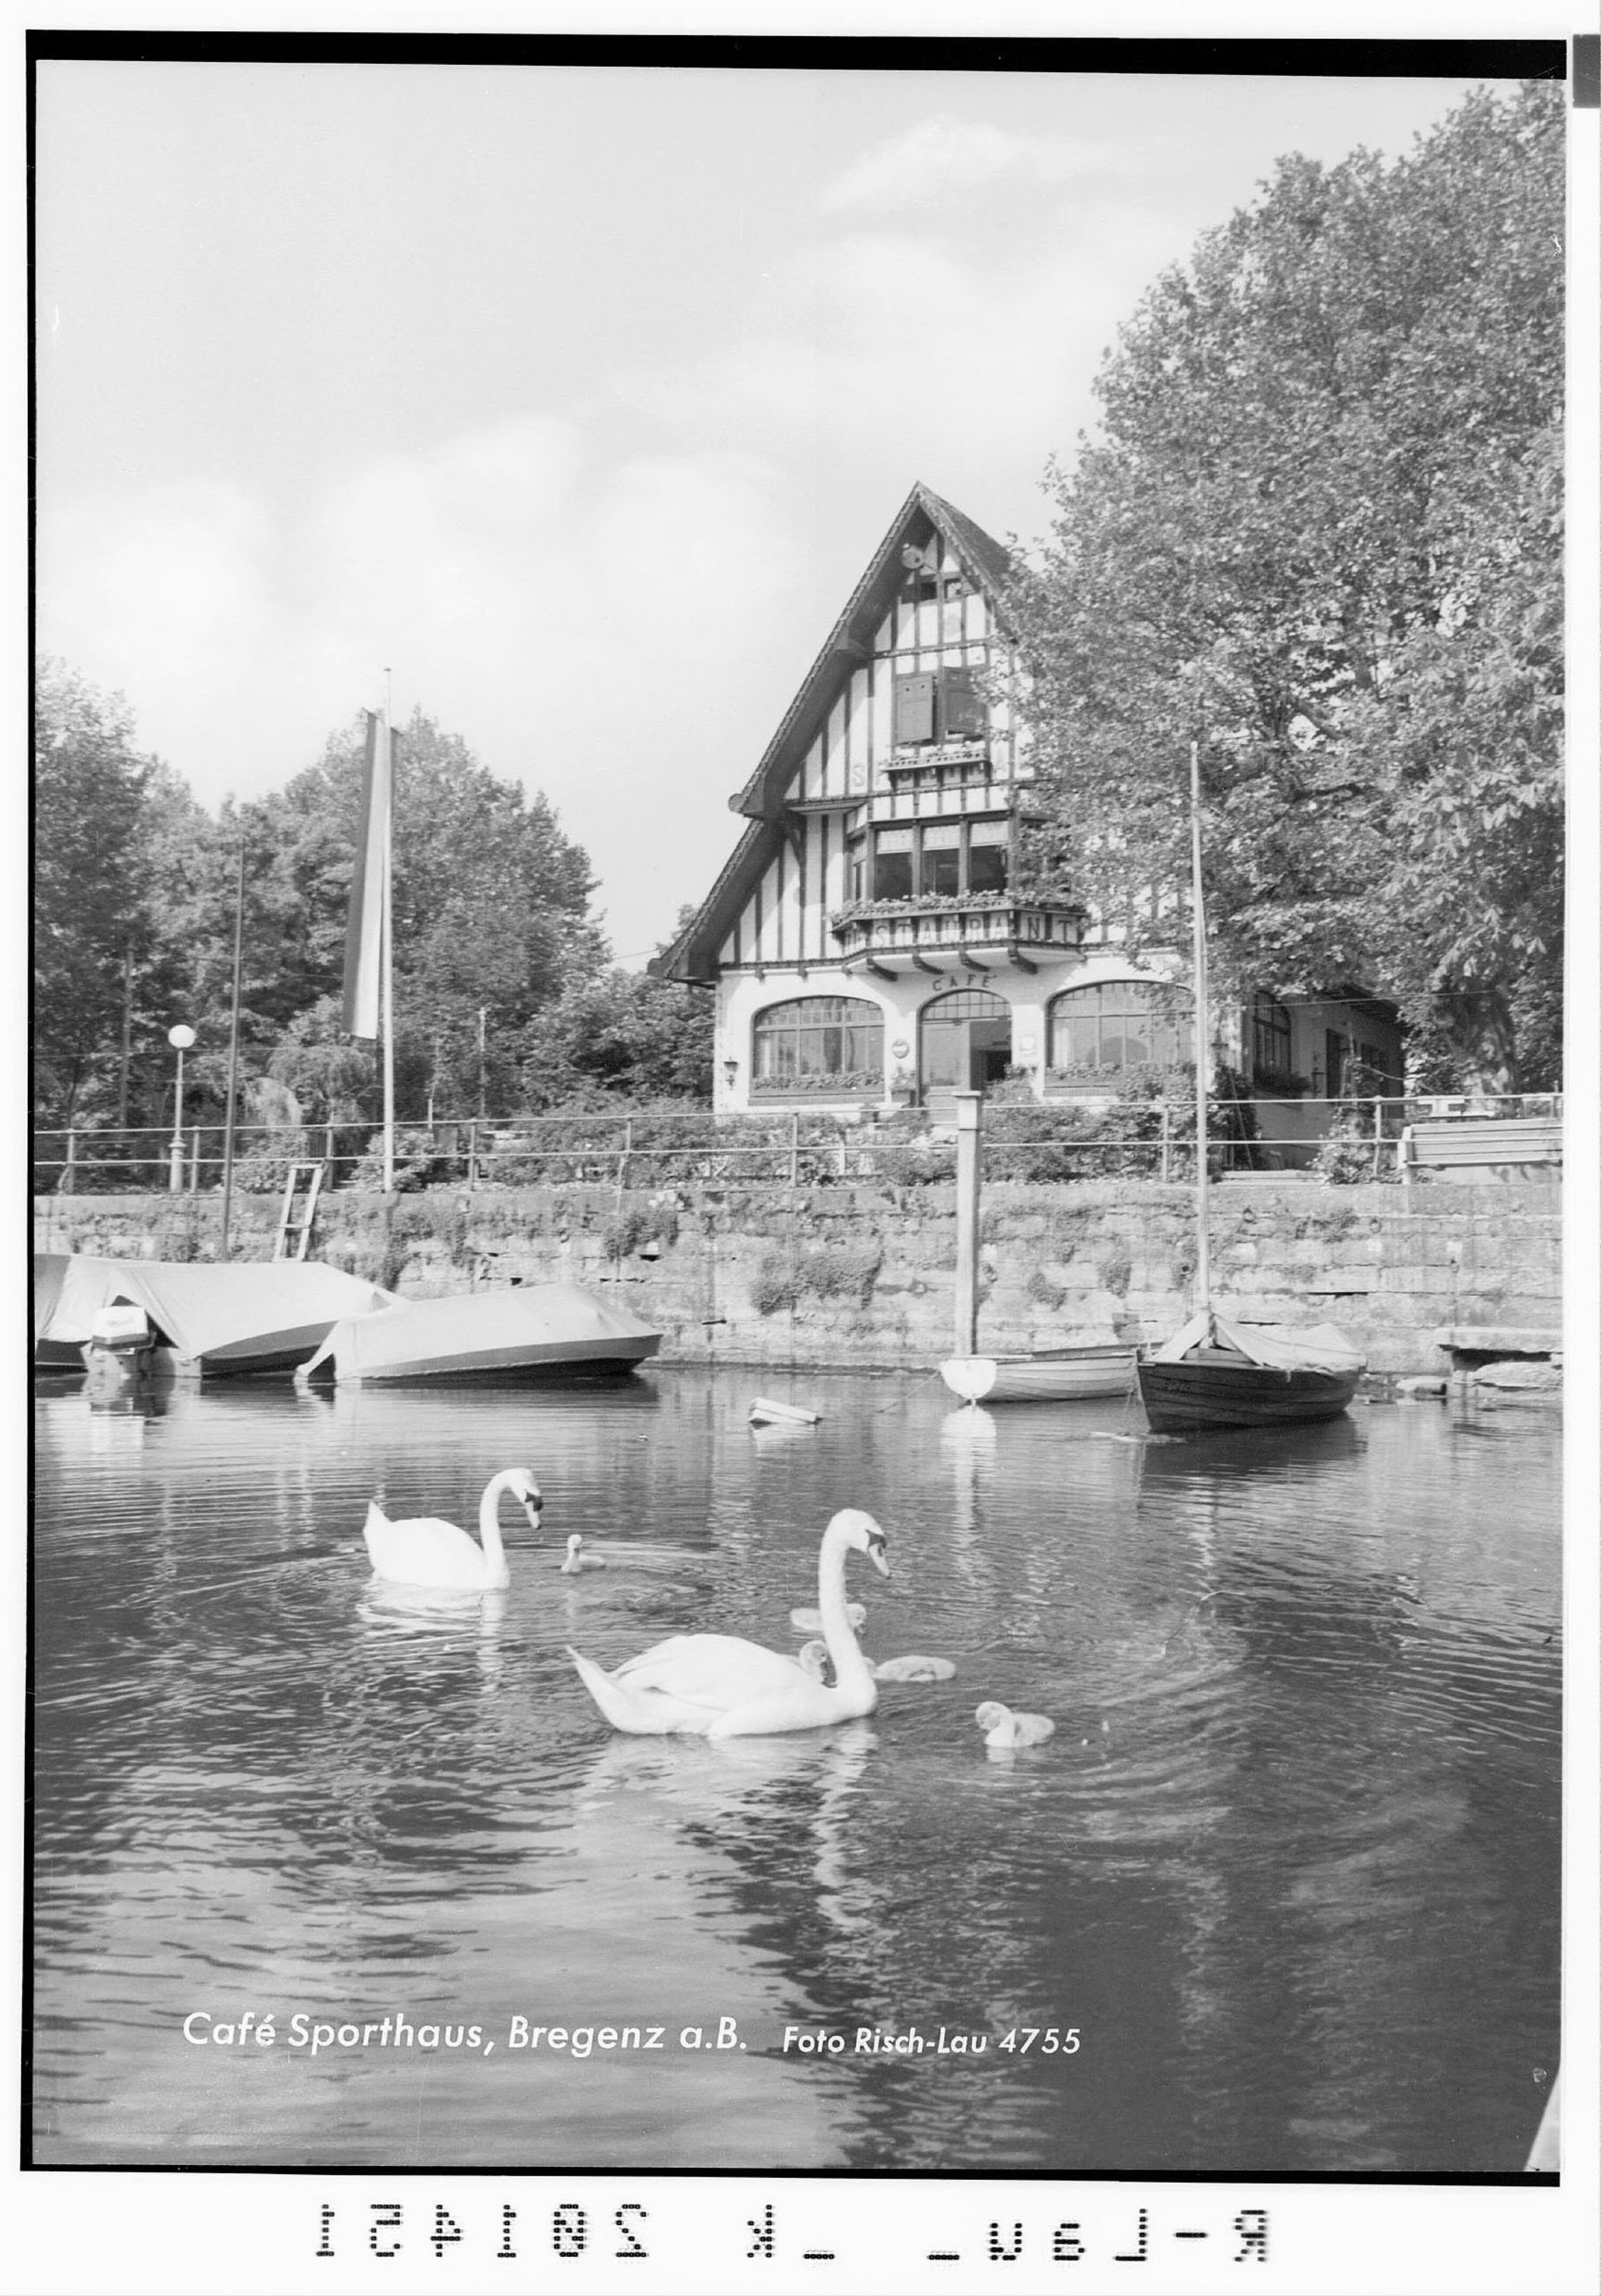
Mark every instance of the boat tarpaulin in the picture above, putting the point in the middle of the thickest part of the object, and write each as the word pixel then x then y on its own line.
pixel 1277 1347
pixel 49 1273
pixel 532 1327
pixel 235 1315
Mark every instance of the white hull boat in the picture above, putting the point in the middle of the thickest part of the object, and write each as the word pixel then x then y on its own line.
pixel 544 1332
pixel 1053 1375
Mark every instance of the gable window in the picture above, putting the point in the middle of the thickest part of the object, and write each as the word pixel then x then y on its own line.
pixel 1115 1026
pixel 814 1041
pixel 939 705
pixel 945 860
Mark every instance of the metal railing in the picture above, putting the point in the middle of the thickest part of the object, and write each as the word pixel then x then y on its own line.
pixel 621 1151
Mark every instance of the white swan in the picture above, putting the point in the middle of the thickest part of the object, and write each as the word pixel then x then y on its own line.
pixel 722 1686
pixel 812 1658
pixel 1002 1727
pixel 426 1552
pixel 575 1559
pixel 914 1668
pixel 807 1621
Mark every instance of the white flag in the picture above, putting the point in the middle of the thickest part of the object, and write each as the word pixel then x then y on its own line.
pixel 364 938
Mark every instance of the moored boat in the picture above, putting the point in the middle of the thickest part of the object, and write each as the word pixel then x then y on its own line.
pixel 1216 1372
pixel 206 1320
pixel 1050 1375
pixel 537 1332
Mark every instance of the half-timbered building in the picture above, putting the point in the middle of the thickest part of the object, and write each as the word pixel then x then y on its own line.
pixel 866 939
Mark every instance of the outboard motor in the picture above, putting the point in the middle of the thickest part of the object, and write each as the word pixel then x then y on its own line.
pixel 117 1357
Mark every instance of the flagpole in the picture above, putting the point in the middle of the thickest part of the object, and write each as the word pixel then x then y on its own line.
pixel 389 954
pixel 227 1143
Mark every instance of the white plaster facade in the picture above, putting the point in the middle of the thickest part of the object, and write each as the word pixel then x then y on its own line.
pixel 877 866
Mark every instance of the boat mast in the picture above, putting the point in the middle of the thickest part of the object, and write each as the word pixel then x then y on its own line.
pixel 1198 916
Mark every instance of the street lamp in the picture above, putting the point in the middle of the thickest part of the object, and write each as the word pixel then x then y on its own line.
pixel 180 1038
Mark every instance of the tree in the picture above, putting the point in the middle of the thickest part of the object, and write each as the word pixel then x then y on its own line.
pixel 104 977
pixel 622 1035
pixel 1321 533
pixel 135 901
pixel 491 913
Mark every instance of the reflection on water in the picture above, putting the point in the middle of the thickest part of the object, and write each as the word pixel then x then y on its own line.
pixel 1288 1865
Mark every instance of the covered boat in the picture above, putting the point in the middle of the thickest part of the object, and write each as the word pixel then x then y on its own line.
pixel 543 1332
pixel 1050 1375
pixel 208 1321
pixel 1215 1373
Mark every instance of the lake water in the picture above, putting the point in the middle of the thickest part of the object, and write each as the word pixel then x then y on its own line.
pixel 1286 1874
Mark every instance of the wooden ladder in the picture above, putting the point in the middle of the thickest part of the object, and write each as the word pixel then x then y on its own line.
pixel 294 1227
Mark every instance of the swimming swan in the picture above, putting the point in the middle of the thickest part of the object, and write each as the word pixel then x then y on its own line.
pixel 1002 1727
pixel 812 1658
pixel 722 1686
pixel 807 1622
pixel 576 1559
pixel 914 1668
pixel 427 1552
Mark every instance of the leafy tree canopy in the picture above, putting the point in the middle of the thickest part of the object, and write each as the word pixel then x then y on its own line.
pixel 1321 533
pixel 501 975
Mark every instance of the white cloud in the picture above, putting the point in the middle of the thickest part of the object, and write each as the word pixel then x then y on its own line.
pixel 594 626
pixel 942 157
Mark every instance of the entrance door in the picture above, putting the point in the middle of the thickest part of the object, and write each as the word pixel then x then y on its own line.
pixel 965 1045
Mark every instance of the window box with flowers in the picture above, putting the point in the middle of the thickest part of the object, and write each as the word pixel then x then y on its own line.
pixel 846 1084
pixel 913 904
pixel 1278 1084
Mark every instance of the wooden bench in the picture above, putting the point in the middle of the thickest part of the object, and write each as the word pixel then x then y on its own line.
pixel 1487 1144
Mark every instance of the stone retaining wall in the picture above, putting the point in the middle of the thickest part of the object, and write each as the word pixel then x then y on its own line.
pixel 843 1276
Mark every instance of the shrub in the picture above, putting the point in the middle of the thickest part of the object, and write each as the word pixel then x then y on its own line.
pixel 665 1142
pixel 419 1162
pixel 638 1225
pixel 1116 1267
pixel 1344 1157
pixel 835 1271
pixel 775 1285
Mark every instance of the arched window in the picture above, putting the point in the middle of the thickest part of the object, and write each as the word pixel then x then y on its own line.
pixel 818 1044
pixel 1115 1026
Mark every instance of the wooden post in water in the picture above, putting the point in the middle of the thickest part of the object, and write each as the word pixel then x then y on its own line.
pixel 969 1151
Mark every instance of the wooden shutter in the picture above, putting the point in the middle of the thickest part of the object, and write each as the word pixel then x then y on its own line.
pixel 963 705
pixel 914 708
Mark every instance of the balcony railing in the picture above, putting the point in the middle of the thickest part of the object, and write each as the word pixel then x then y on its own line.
pixel 917 934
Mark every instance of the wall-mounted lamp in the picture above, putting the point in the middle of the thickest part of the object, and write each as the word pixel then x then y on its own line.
pixel 730 1071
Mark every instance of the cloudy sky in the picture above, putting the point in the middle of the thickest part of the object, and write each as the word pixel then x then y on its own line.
pixel 578 396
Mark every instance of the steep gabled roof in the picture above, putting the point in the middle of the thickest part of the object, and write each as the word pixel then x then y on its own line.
pixel 851 636
pixel 693 955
